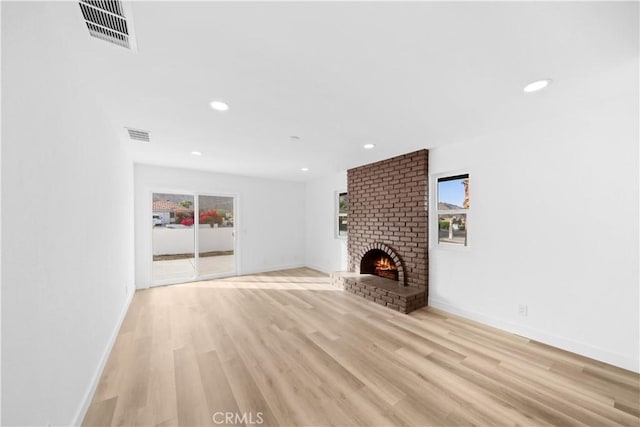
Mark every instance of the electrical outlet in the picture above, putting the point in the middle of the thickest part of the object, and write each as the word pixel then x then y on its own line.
pixel 523 310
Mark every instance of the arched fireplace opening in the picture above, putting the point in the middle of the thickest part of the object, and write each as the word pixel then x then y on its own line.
pixel 378 262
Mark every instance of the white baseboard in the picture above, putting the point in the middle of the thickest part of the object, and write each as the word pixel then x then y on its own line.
pixel 588 350
pixel 270 268
pixel 86 401
pixel 318 268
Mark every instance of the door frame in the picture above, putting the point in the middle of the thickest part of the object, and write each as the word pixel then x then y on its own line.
pixel 196 277
pixel 235 237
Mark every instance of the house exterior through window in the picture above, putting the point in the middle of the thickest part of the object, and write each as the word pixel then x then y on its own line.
pixel 453 210
pixel 342 205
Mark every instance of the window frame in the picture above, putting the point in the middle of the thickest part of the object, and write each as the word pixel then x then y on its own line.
pixel 337 214
pixel 435 241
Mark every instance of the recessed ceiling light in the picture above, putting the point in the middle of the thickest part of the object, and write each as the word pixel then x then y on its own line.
pixel 219 105
pixel 537 85
pixel 196 153
pixel 304 169
pixel 368 146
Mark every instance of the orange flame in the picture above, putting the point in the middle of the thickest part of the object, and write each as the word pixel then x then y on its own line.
pixel 384 264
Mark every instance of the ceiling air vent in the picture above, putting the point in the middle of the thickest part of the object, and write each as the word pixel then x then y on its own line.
pixel 109 20
pixel 138 135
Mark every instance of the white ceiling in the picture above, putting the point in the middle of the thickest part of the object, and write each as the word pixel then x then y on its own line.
pixel 403 76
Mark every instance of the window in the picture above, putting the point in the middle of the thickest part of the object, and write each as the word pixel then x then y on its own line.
pixel 342 205
pixel 453 210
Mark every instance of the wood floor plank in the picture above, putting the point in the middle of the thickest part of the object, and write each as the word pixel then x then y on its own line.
pixel 193 408
pixel 100 413
pixel 161 389
pixel 246 393
pixel 298 352
pixel 216 386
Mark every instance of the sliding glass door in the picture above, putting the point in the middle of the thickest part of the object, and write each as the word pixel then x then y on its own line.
pixel 216 236
pixel 174 237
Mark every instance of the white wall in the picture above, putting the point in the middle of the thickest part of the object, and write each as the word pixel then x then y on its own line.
pixel 0 233
pixel 67 274
pixel 324 251
pixel 554 226
pixel 269 218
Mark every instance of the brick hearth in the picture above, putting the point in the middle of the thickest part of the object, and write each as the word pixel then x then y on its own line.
pixel 382 291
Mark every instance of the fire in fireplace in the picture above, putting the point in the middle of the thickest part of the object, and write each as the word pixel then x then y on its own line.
pixel 379 263
pixel 385 267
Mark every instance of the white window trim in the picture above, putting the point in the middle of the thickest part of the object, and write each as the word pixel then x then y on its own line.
pixel 337 214
pixel 435 226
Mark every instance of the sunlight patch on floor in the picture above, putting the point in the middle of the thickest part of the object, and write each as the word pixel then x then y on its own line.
pixel 270 280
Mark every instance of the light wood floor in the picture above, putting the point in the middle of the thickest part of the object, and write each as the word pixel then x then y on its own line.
pixel 289 346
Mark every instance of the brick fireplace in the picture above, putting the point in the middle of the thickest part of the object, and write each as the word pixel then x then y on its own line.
pixel 387 241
